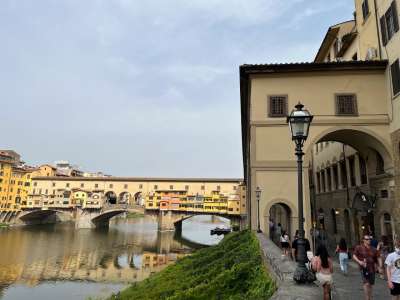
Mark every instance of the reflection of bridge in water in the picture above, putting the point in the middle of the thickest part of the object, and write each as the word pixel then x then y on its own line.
pixel 85 258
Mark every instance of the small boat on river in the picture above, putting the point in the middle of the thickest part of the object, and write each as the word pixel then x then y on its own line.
pixel 220 231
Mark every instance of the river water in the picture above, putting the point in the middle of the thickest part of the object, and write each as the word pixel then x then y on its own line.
pixel 59 262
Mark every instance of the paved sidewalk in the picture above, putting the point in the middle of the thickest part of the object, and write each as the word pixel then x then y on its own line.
pixel 350 287
pixel 344 288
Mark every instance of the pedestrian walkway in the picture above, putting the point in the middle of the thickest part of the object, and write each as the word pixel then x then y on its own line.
pixel 350 287
pixel 344 288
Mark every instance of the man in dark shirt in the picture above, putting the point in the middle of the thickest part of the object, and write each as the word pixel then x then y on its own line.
pixel 367 258
pixel 295 246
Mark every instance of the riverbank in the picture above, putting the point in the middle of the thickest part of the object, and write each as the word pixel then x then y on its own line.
pixel 233 269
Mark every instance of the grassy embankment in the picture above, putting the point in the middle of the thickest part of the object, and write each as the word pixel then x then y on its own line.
pixel 232 270
pixel 4 225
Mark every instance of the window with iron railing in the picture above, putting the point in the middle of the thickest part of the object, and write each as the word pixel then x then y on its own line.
pixel 277 106
pixel 346 105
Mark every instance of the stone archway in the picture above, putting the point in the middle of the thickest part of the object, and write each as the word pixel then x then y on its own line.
pixel 279 211
pixel 138 198
pixel 124 198
pixel 111 197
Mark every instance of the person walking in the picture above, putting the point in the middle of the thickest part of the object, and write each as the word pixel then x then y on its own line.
pixel 367 259
pixel 295 245
pixel 342 250
pixel 278 233
pixel 392 263
pixel 285 243
pixel 322 264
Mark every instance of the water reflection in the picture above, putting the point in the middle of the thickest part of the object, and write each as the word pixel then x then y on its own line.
pixel 130 250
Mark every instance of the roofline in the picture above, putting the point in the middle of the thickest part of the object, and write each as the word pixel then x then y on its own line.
pixel 138 179
pixel 327 35
pixel 270 69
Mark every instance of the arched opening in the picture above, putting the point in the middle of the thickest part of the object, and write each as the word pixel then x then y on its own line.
pixel 111 197
pixel 124 198
pixel 280 216
pixel 138 197
pixel 334 223
pixel 351 168
pixel 347 228
pixel 387 229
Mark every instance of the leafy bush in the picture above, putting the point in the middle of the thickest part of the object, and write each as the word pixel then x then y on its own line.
pixel 232 270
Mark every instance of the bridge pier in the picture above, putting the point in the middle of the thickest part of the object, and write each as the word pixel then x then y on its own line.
pixel 165 221
pixel 84 219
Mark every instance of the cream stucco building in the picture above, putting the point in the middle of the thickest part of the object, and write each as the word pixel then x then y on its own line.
pixel 353 90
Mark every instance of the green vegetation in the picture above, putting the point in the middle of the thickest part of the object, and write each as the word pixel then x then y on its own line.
pixel 134 215
pixel 232 270
pixel 4 225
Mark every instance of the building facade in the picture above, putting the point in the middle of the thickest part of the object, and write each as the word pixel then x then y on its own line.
pixel 352 165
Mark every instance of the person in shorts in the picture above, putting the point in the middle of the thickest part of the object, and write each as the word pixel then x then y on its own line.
pixel 392 263
pixel 285 243
pixel 367 258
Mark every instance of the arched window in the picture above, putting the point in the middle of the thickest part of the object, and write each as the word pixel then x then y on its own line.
pixel 334 223
pixel 380 165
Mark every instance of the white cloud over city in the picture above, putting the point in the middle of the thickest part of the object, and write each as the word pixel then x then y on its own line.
pixel 143 88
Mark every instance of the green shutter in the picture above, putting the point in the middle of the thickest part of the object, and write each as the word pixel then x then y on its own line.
pixel 395 16
pixel 383 31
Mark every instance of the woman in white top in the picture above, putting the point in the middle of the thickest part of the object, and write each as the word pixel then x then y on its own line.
pixel 285 243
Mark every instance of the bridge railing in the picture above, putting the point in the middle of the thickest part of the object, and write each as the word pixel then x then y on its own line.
pixel 108 206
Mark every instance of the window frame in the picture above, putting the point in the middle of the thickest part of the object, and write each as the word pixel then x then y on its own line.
pixel 395 92
pixel 365 10
pixel 269 105
pixel 355 106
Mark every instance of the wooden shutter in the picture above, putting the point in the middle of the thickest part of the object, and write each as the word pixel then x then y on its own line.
pixel 384 31
pixel 395 70
pixel 395 16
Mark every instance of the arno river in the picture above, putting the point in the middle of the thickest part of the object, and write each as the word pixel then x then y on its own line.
pixel 59 262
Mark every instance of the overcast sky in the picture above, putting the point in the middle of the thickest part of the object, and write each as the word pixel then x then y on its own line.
pixel 143 88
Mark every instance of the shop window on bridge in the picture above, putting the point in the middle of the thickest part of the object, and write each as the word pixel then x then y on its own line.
pixel 363 171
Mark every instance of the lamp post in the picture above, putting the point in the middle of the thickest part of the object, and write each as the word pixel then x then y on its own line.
pixel 258 196
pixel 299 122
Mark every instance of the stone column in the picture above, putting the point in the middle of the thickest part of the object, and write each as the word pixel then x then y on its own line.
pixel 333 186
pixel 340 179
pixel 326 180
pixel 348 172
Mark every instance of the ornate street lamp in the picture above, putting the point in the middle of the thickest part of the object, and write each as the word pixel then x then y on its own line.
pixel 258 196
pixel 299 122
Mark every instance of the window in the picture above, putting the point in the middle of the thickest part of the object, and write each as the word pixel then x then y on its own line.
pixel 380 165
pixel 35 184
pixel 218 187
pixel 67 185
pixel 335 177
pixel 277 106
pixel 329 179
pixel 384 194
pixel 96 185
pixel 365 9
pixel 186 187
pixel 343 173
pixel 111 185
pixel 363 171
pixel 389 23
pixel 54 184
pixel 82 185
pixel 355 57
pixel 352 171
pixel 171 187
pixel 140 186
pixel 395 71
pixel 156 187
pixel 125 186
pixel 202 187
pixel 346 105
